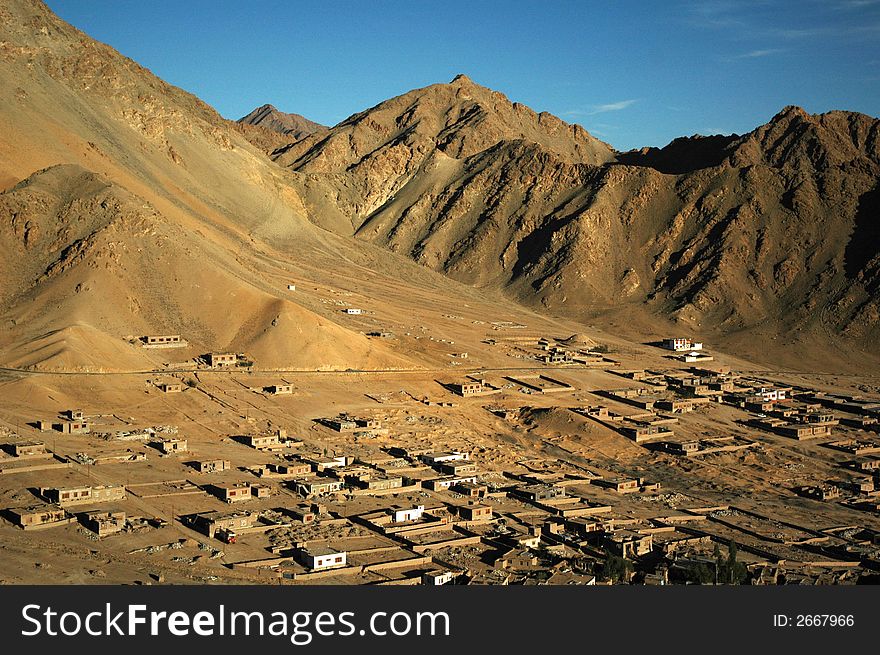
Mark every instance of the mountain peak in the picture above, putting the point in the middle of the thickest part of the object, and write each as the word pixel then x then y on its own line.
pixel 797 138
pixel 292 125
pixel 789 113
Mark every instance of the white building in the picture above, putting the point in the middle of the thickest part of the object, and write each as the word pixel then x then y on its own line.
pixel 436 458
pixel 679 344
pixel 413 514
pixel 353 310
pixel 769 394
pixel 321 559
pixel 695 356
pixel 435 578
pixel 323 463
pixel 448 482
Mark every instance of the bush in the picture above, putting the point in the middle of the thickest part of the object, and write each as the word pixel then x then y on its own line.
pixel 616 568
pixel 701 574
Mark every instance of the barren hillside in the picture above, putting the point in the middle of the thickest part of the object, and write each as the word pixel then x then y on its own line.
pixel 131 207
pixel 268 129
pixel 293 125
pixel 774 231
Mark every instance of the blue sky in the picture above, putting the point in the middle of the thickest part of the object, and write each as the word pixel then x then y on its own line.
pixel 632 73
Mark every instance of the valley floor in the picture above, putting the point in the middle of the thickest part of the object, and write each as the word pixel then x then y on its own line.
pixel 538 484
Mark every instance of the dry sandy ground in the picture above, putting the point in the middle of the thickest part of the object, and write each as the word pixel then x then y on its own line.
pixel 223 404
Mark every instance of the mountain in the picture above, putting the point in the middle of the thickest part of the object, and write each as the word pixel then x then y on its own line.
pixel 427 137
pixel 292 125
pixel 771 233
pixel 129 207
pixel 269 129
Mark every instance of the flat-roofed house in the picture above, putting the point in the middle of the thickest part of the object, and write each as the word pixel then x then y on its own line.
pixel 685 448
pixel 432 459
pixel 410 514
pixel 261 490
pixel 471 489
pixel 317 486
pixel 447 482
pixel 75 427
pixel 628 543
pixel 217 360
pixel 679 344
pixel 68 495
pixel 263 441
pixel 213 465
pixel 233 492
pixel 108 492
pixel 286 469
pixel 341 424
pixel 65 496
pixel 321 558
pixel 163 341
pixel 29 449
pixel 303 513
pixel 169 446
pixel 475 512
pixel 457 467
pixel 103 523
pixel 539 492
pixel 436 578
pixel 620 485
pixel 36 516
pixel 467 388
pixel 380 482
pixel 773 394
pixel 209 523
pixel 323 463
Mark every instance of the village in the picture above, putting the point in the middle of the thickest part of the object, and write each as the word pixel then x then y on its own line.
pixel 579 465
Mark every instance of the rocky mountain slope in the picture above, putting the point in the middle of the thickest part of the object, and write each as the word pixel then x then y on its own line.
pixel 129 207
pixel 268 129
pixel 292 125
pixel 774 231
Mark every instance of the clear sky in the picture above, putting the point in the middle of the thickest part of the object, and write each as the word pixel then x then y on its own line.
pixel 634 73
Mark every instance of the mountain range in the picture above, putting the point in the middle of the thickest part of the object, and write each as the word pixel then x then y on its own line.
pixel 722 233
pixel 128 206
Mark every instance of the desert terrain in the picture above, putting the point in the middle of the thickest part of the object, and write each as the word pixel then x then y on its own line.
pixel 448 340
pixel 522 435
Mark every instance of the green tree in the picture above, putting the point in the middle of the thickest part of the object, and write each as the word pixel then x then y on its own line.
pixel 616 568
pixel 720 566
pixel 735 572
pixel 701 574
